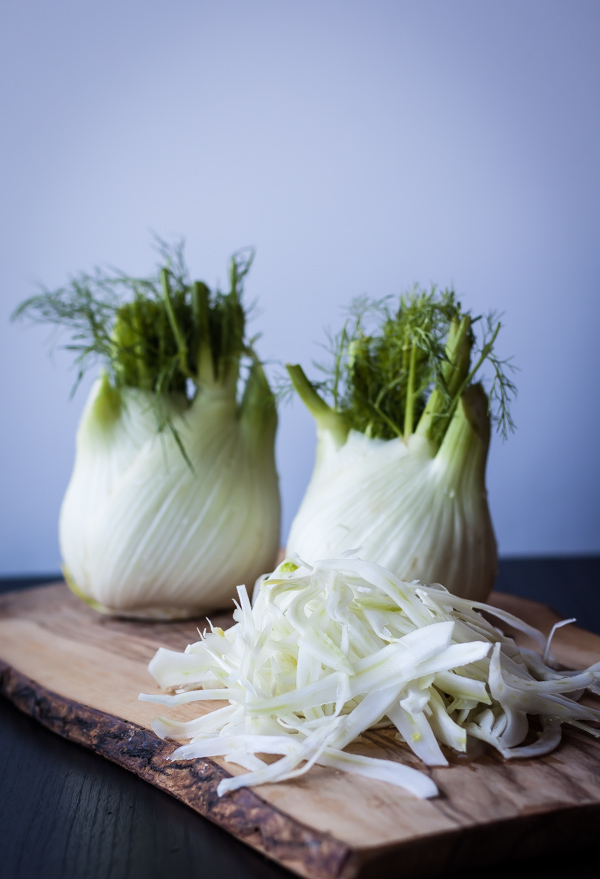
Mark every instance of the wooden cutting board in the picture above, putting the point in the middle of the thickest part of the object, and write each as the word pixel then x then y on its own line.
pixel 80 674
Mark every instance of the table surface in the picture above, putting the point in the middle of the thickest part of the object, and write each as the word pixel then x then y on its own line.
pixel 66 813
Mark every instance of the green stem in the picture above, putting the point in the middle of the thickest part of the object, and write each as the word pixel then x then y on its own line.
pixel 410 393
pixel 463 453
pixel 179 337
pixel 455 370
pixel 326 417
pixel 142 359
pixel 108 404
pixel 200 312
pixel 258 409
pixel 376 407
pixel 128 343
pixel 229 373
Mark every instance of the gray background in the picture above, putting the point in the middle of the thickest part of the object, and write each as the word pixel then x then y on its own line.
pixel 360 147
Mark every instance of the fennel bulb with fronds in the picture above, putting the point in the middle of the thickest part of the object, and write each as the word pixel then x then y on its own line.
pixel 402 448
pixel 174 496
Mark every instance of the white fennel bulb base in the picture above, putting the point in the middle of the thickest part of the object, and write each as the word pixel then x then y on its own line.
pixel 145 532
pixel 417 511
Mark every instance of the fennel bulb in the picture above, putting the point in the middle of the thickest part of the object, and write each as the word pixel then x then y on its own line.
pixel 402 449
pixel 331 650
pixel 174 496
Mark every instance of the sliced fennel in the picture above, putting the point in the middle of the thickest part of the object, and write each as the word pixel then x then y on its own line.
pixel 330 650
pixel 402 446
pixel 174 496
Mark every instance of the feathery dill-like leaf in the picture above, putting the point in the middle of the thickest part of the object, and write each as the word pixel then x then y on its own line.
pixel 161 333
pixel 400 365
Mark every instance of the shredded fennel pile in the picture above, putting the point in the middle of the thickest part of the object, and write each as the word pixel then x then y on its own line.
pixel 330 650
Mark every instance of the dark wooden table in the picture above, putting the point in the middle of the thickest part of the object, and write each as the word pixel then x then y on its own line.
pixel 66 813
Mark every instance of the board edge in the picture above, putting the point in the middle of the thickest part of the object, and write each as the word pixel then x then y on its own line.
pixel 243 813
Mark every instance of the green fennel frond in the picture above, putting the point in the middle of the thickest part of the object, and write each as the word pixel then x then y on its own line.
pixel 163 333
pixel 400 365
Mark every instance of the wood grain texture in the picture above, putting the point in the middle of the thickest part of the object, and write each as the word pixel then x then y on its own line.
pixel 80 674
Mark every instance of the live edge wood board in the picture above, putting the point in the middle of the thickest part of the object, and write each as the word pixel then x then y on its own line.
pixel 80 674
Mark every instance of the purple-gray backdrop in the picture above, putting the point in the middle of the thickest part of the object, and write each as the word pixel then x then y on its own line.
pixel 360 146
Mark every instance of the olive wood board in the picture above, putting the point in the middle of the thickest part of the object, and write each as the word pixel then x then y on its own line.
pixel 80 673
